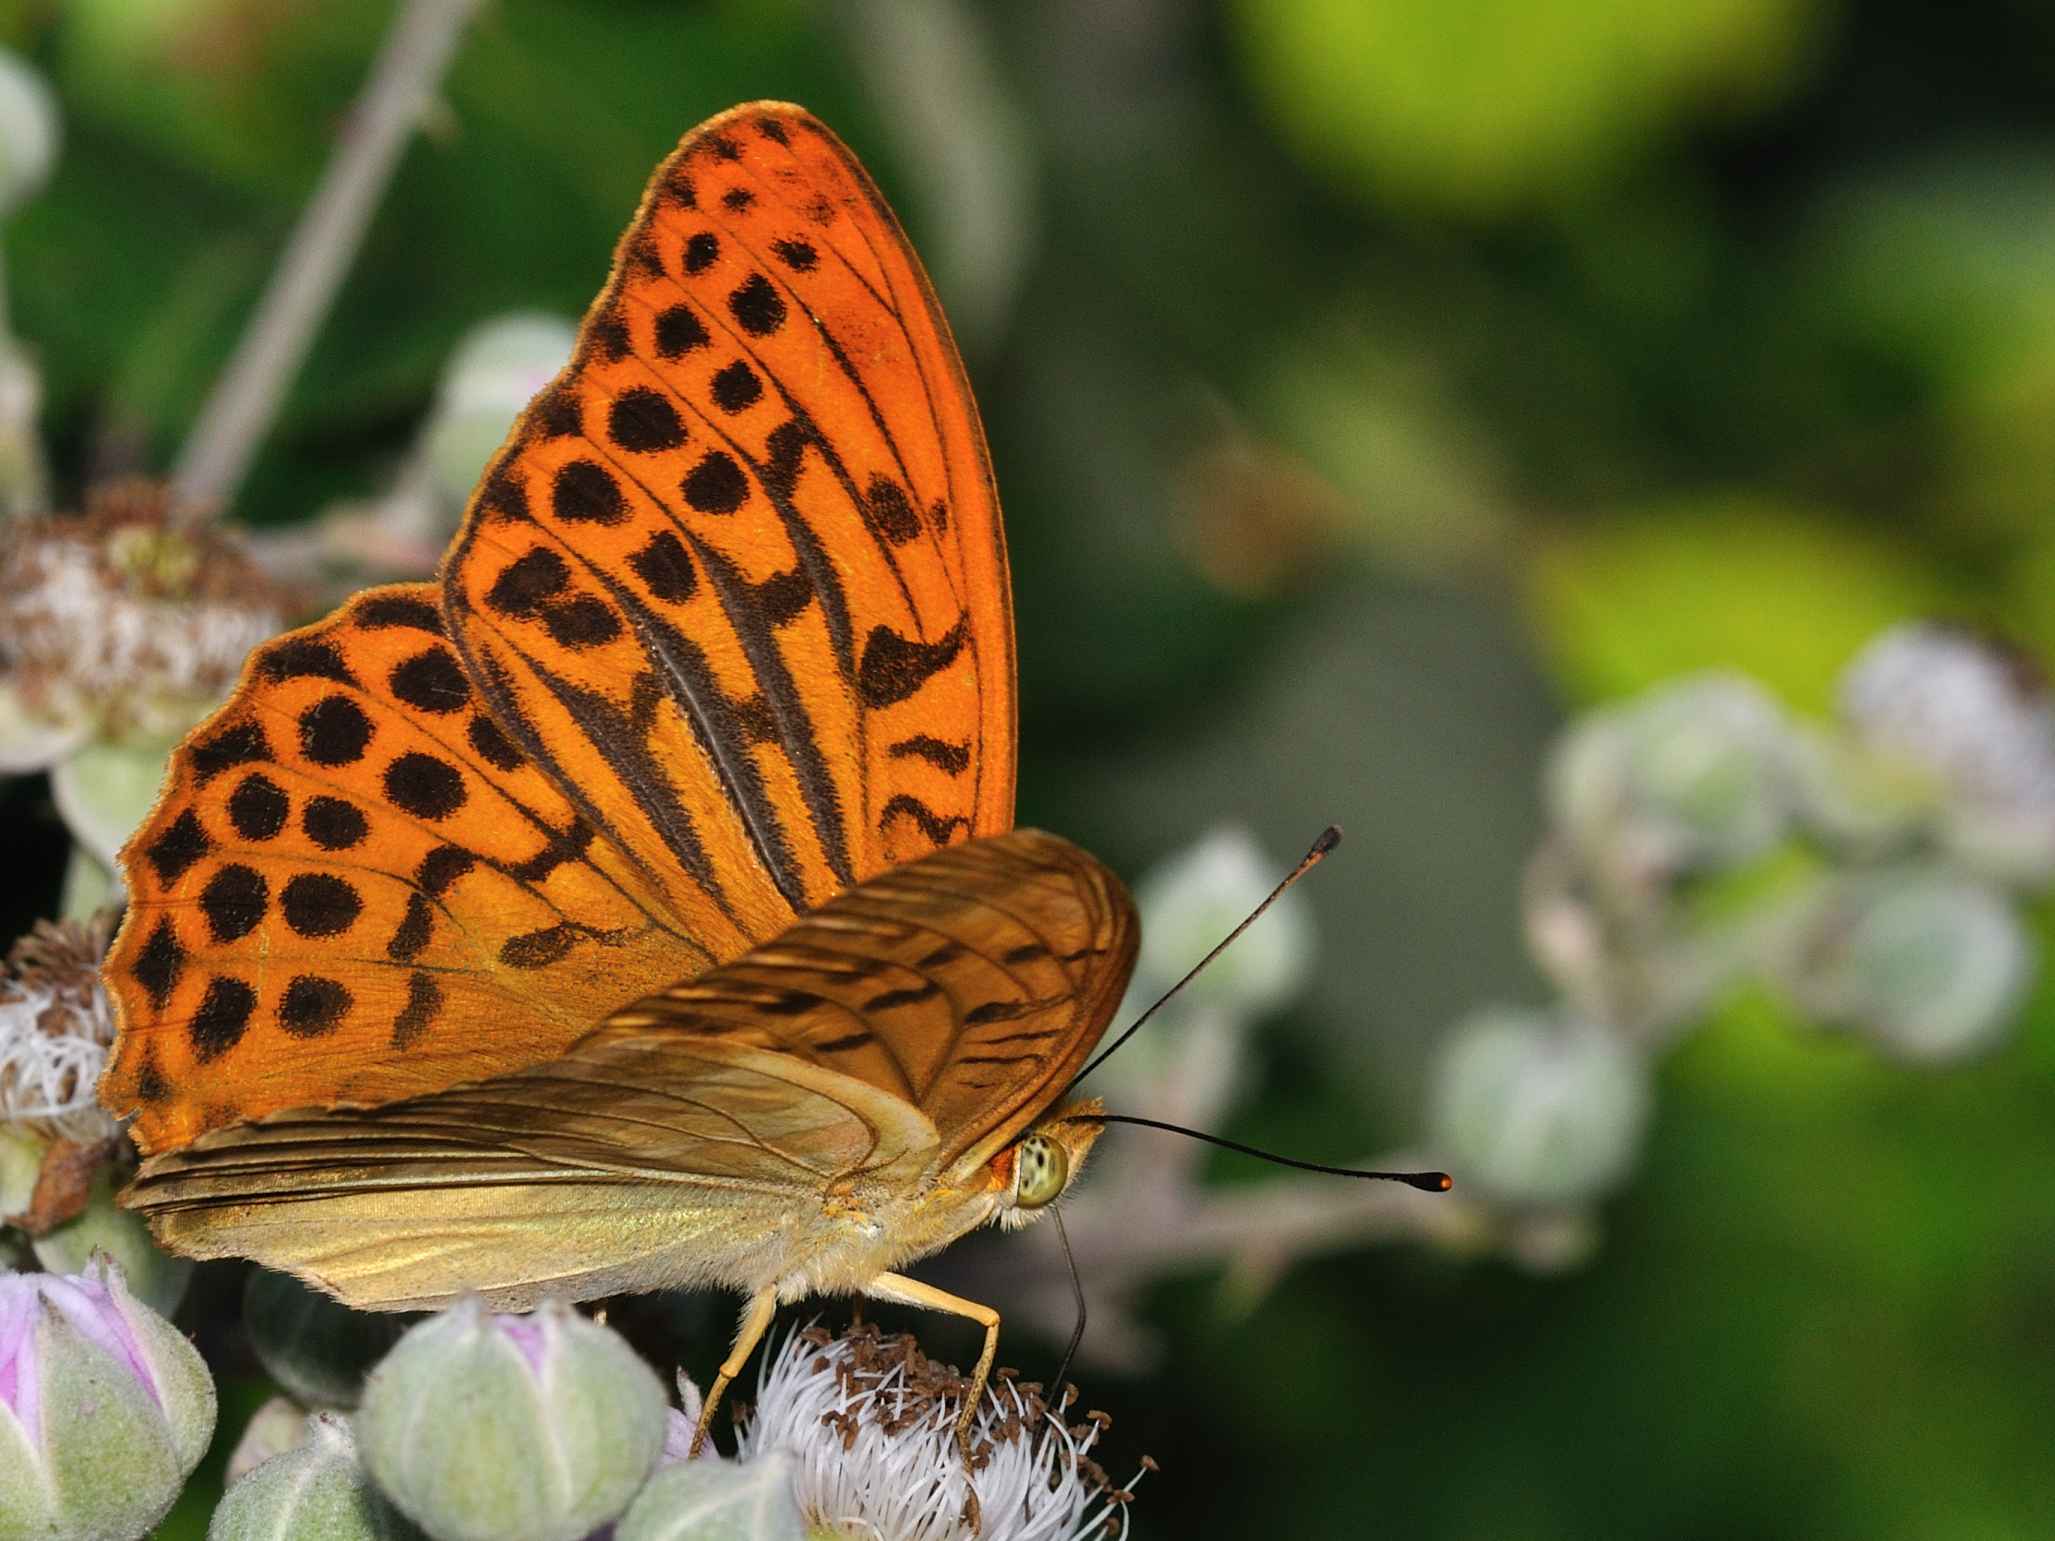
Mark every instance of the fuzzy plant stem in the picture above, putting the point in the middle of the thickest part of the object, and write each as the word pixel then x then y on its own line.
pixel 245 400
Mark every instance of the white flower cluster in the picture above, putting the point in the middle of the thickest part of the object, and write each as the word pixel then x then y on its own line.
pixel 56 1028
pixel 1701 837
pixel 870 1425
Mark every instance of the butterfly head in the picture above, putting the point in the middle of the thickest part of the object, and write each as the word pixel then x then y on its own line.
pixel 1038 1168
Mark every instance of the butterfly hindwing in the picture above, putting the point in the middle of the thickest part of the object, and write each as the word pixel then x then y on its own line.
pixel 885 1049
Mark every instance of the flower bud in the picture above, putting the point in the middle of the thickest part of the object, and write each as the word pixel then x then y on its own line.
pixel 511 1428
pixel 1199 895
pixel 104 1228
pixel 717 1501
pixel 316 1347
pixel 105 1408
pixel 315 1492
pixel 1533 1110
pixel 492 375
pixel 281 1424
pixel 1691 776
pixel 29 128
pixel 1929 964
pixel 1977 721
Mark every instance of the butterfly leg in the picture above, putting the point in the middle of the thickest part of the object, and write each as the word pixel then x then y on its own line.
pixel 911 1292
pixel 756 1318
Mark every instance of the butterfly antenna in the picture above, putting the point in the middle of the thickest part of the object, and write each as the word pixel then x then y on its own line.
pixel 1426 1182
pixel 1077 1333
pixel 1330 837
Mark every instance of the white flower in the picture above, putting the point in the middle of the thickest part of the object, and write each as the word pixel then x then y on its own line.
pixel 869 1423
pixel 55 1030
pixel 1977 719
pixel 121 622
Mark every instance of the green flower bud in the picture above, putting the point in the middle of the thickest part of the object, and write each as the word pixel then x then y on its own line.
pixel 105 1408
pixel 281 1424
pixel 316 1492
pixel 1692 776
pixel 1199 895
pixel 316 1347
pixel 492 375
pixel 29 128
pixel 1928 964
pixel 717 1501
pixel 1533 1110
pixel 511 1428
pixel 154 1276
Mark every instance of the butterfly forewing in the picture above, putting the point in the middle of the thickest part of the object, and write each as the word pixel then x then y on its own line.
pixel 738 575
pixel 726 629
pixel 883 1048
pixel 350 867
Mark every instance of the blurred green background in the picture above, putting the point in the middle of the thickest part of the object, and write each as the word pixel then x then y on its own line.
pixel 1370 385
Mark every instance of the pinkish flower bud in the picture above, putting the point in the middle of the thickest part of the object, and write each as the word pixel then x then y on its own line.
pixel 104 1408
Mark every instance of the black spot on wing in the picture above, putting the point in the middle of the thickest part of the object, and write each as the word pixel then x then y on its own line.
pixel 894 667
pixel 304 658
pixel 736 388
pixel 182 843
pixel 240 743
pixel 643 421
pixel 934 826
pixel 887 511
pixel 679 331
pixel 258 807
pixel 160 963
pixel 702 251
pixel 424 1005
pixel 954 759
pixel 387 610
pixel 665 567
pixel 334 731
pixel 333 824
pixel 797 255
pixel 425 786
pixel 585 492
pixel 716 485
pixel 223 1017
pixel 313 1005
pixel 413 931
pixel 557 413
pixel 319 904
pixel 539 949
pixel 234 902
pixel 756 306
pixel 527 581
pixel 441 867
pixel 431 682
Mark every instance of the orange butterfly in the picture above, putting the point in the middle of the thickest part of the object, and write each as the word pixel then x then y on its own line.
pixel 635 905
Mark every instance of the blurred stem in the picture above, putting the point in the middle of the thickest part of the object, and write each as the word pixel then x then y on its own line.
pixel 246 398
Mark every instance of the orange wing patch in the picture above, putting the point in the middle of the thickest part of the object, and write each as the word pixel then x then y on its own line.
pixel 354 887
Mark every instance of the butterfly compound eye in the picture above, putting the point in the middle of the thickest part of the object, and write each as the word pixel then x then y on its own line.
pixel 1042 1173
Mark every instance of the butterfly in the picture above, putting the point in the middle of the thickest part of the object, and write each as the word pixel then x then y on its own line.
pixel 637 904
